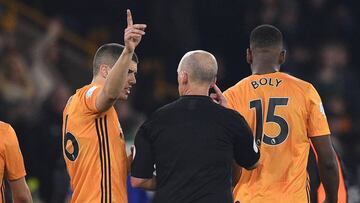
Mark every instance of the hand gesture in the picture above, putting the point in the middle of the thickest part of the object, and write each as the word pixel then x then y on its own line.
pixel 133 33
pixel 218 96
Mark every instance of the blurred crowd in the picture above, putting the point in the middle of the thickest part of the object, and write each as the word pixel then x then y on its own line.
pixel 39 70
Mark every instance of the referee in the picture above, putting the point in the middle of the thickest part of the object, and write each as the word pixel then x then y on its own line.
pixel 193 141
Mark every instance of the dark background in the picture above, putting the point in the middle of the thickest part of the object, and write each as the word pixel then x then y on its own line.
pixel 321 41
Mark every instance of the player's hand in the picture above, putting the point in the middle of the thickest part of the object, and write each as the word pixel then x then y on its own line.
pixel 133 33
pixel 218 96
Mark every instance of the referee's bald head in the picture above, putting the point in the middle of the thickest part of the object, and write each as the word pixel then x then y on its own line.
pixel 200 65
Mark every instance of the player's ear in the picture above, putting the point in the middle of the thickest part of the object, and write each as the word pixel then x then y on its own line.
pixel 249 57
pixel 282 57
pixel 103 70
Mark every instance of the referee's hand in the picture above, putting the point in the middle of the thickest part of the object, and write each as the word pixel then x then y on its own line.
pixel 218 96
pixel 133 33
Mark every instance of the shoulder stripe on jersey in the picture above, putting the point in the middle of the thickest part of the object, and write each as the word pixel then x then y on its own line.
pixel 101 160
pixel 109 159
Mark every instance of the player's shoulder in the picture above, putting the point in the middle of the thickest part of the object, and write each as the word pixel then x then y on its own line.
pixel 296 80
pixel 305 87
pixel 5 128
pixel 84 92
pixel 87 90
pixel 7 134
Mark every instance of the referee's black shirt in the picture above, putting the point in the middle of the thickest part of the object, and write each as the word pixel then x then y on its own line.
pixel 192 142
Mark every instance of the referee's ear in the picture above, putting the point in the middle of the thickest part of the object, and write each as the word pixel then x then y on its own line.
pixel 184 78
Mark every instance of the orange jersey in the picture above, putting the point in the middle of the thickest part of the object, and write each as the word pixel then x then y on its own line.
pixel 283 113
pixel 11 160
pixel 94 150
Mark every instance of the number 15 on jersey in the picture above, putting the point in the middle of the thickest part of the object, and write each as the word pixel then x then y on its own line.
pixel 260 136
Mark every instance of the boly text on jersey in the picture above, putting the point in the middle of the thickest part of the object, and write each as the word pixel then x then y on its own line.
pixel 266 81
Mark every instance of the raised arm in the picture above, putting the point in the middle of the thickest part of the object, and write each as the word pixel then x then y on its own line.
pixel 116 79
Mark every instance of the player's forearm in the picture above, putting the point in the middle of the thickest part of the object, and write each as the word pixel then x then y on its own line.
pixel 329 174
pixel 22 199
pixel 22 195
pixel 116 79
pixel 20 191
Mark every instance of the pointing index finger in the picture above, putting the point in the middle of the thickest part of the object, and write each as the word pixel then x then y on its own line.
pixel 129 18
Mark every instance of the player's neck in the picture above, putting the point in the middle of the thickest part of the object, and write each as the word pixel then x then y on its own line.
pixel 264 69
pixel 98 80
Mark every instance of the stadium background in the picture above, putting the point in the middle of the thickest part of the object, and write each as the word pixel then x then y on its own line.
pixel 47 46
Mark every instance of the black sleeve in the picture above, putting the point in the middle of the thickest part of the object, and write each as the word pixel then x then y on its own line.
pixel 246 152
pixel 143 163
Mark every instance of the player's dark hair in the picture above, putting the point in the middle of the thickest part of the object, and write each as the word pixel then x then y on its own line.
pixel 266 36
pixel 108 54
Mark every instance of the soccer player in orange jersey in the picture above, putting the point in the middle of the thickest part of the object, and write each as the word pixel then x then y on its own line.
pixel 284 112
pixel 12 166
pixel 93 142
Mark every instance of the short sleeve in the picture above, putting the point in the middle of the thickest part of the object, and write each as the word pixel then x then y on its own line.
pixel 317 124
pixel 246 152
pixel 14 163
pixel 143 163
pixel 90 98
